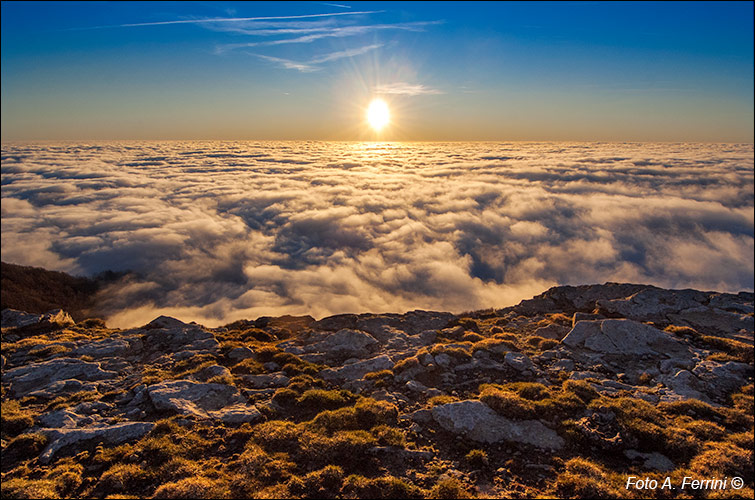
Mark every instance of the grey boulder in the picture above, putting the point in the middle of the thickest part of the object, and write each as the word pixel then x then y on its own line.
pixel 110 435
pixel 206 401
pixel 38 375
pixel 475 420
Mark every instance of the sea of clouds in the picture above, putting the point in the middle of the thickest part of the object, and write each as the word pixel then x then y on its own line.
pixel 218 231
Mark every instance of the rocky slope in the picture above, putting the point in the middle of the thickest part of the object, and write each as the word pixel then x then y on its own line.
pixel 565 395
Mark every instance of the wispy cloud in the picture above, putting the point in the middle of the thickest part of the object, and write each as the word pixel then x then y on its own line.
pixel 228 20
pixel 312 64
pixel 311 34
pixel 289 64
pixel 404 88
pixel 300 29
pixel 346 53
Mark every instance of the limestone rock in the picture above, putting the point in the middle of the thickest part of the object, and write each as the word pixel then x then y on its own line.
pixel 346 343
pixel 166 322
pixel 237 414
pixel 475 420
pixel 193 398
pixel 414 386
pixel 563 364
pixel 207 401
pixel 741 303
pixel 60 387
pixel 443 360
pixel 211 371
pixel 581 316
pixel 518 361
pixel 12 318
pixel 358 370
pixel 109 435
pixel 710 318
pixel 421 416
pixel 651 461
pixel 266 381
pixel 240 354
pixel 103 348
pixel 166 332
pixel 653 304
pixel 624 337
pixel 38 375
pixel 552 331
pixel 61 419
pixel 337 322
pixel 419 321
pixel 720 379
pixel 576 298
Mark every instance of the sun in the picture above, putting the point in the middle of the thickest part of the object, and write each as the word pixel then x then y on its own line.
pixel 378 114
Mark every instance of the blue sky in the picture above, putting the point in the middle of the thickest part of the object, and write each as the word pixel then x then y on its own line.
pixel 622 71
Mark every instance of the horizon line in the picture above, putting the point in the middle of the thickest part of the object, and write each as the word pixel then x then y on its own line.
pixel 8 141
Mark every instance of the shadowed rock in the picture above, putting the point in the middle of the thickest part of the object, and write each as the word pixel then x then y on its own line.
pixel 12 318
pixel 359 369
pixel 210 401
pixel 35 376
pixel 624 337
pixel 110 435
pixel 475 420
pixel 345 343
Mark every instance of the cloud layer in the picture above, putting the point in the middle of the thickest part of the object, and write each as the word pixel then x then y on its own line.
pixel 219 231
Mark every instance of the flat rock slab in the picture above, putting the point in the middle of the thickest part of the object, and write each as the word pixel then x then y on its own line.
pixel 239 354
pixel 266 381
pixel 61 419
pixel 208 401
pixel 11 318
pixel 237 414
pixel 552 331
pixel 103 348
pixel 653 304
pixel 413 322
pixel 111 435
pixel 359 369
pixel 518 361
pixel 39 375
pixel 475 420
pixel 624 337
pixel 55 389
pixel 710 318
pixel 345 343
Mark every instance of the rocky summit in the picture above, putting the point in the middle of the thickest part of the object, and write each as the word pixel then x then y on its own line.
pixel 567 394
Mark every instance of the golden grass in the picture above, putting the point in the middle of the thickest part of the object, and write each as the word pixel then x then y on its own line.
pixel 448 488
pixel 583 478
pixel 193 487
pixel 356 486
pixel 14 419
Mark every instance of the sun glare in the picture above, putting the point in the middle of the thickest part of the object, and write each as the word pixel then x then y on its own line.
pixel 378 114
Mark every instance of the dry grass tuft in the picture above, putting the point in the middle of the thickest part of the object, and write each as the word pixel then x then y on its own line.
pixel 193 487
pixel 15 419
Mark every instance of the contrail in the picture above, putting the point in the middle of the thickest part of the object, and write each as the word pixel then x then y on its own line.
pixel 228 20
